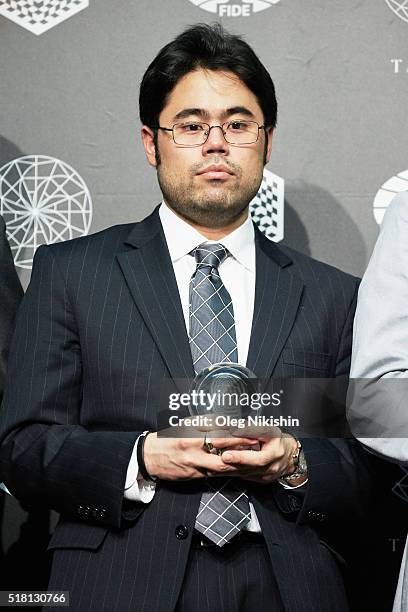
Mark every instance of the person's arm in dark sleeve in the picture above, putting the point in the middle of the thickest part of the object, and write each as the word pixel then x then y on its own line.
pixel 341 474
pixel 46 456
pixel 11 293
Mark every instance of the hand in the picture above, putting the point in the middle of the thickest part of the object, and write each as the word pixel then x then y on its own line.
pixel 266 465
pixel 185 458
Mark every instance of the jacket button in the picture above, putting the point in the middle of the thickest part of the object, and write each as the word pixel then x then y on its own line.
pixel 181 532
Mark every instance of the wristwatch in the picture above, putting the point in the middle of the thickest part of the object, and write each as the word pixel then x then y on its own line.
pixel 300 464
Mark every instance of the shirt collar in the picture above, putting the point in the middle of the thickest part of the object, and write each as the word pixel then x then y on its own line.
pixel 182 238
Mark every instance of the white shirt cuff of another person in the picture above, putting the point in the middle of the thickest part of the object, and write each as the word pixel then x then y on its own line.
pixel 136 487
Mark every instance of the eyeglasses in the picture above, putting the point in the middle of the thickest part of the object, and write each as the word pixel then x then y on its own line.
pixel 195 134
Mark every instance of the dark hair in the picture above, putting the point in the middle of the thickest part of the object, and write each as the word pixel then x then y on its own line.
pixel 210 47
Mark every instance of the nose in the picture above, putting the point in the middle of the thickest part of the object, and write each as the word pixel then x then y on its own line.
pixel 215 141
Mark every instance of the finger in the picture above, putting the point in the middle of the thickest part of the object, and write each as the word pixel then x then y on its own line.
pixel 225 442
pixel 248 458
pixel 214 463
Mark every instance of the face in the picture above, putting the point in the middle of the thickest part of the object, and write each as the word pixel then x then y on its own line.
pixel 212 184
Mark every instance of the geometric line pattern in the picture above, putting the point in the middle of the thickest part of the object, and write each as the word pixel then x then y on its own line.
pixel 223 512
pixel 399 7
pixel 267 207
pixel 38 16
pixel 401 487
pixel 387 192
pixel 224 508
pixel 43 200
pixel 212 325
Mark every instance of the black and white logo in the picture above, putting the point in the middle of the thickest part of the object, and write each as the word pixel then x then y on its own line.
pixel 399 7
pixel 267 207
pixel 38 16
pixel 234 8
pixel 42 200
pixel 387 192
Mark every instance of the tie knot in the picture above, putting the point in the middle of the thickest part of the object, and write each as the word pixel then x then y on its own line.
pixel 210 254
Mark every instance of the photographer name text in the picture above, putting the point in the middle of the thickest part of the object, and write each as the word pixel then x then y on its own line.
pixel 222 420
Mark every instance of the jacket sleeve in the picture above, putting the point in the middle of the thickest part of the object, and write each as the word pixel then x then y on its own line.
pixel 46 456
pixel 379 370
pixel 11 293
pixel 341 473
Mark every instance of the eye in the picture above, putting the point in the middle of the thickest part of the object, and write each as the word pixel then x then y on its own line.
pixel 191 127
pixel 238 125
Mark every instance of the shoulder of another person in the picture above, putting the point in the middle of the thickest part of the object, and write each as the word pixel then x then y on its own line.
pixel 398 209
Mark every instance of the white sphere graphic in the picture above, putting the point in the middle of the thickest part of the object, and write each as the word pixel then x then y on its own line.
pixel 212 6
pixel 42 200
pixel 386 193
pixel 399 7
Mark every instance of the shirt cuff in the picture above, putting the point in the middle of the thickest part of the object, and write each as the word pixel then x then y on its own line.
pixel 136 487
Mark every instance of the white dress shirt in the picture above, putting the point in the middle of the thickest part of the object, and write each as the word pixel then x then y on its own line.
pixel 238 275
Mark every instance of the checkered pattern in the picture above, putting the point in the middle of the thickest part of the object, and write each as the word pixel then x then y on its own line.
pixel 38 16
pixel 39 11
pixel 212 326
pixel 224 508
pixel 267 208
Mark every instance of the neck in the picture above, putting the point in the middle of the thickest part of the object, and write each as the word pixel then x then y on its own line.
pixel 217 233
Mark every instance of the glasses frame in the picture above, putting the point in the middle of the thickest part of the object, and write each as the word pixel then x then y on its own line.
pixel 210 127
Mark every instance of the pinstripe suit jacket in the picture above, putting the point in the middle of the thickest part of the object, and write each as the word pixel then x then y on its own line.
pixel 100 325
pixel 10 296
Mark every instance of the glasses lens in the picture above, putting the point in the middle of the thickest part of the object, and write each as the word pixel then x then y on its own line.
pixel 190 133
pixel 241 132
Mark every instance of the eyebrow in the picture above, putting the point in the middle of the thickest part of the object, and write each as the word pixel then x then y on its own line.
pixel 204 114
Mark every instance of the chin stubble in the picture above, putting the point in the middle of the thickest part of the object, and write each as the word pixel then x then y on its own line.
pixel 199 205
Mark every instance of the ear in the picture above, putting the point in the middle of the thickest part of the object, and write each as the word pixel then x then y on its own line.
pixel 148 143
pixel 269 136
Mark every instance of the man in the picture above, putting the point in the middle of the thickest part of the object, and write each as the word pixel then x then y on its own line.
pixel 378 395
pixel 11 293
pixel 111 315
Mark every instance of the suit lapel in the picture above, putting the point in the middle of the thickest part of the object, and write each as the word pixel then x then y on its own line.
pixel 149 274
pixel 277 295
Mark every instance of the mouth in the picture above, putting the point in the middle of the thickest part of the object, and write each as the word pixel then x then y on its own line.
pixel 216 173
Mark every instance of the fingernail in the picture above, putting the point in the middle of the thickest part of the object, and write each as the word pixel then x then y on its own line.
pixel 226 456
